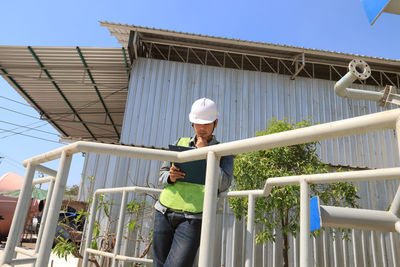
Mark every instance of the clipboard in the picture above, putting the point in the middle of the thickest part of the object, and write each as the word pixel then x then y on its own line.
pixel 195 170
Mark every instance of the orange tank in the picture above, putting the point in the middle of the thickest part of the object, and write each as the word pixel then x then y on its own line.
pixel 12 181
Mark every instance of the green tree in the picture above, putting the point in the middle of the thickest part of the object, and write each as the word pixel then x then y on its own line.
pixel 72 190
pixel 281 209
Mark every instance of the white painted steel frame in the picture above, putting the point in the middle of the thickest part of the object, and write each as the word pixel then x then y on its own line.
pixel 358 125
pixel 20 221
pixel 115 256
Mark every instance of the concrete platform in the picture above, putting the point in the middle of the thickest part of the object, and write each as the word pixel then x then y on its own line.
pixel 54 260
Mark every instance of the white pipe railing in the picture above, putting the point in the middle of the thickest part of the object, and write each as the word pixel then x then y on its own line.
pixel 353 126
pixel 116 255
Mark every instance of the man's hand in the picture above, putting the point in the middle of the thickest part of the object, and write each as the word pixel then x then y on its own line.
pixel 175 173
pixel 201 142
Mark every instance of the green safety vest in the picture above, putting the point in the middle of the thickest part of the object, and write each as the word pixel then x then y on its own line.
pixel 181 195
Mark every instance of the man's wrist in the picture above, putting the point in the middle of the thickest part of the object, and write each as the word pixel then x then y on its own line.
pixel 169 180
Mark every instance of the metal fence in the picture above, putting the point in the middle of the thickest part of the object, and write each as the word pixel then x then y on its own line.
pixel 358 125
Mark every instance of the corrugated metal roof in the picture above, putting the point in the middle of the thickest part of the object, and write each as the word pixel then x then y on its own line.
pixel 122 32
pixel 81 91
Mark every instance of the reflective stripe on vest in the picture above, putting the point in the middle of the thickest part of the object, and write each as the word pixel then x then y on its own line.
pixel 181 195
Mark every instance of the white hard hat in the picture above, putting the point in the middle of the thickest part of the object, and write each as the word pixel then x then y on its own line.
pixel 203 111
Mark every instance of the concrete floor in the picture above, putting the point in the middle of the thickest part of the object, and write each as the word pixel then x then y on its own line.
pixel 54 260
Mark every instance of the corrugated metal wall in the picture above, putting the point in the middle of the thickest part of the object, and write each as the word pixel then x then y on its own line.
pixel 159 100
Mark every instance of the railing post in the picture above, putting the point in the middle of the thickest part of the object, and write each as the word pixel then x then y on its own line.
pixel 395 207
pixel 54 209
pixel 120 229
pixel 206 253
pixel 250 231
pixel 89 230
pixel 19 218
pixel 304 224
pixel 44 216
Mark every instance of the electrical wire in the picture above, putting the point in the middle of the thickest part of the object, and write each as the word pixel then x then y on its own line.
pixel 27 135
pixel 16 128
pixel 10 158
pixel 13 164
pixel 88 104
pixel 15 101
pixel 11 161
pixel 30 124
pixel 24 114
pixel 21 126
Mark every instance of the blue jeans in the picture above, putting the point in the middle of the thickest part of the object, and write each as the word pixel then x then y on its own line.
pixel 175 240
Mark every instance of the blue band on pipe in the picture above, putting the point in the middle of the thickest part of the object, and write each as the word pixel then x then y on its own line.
pixel 315 214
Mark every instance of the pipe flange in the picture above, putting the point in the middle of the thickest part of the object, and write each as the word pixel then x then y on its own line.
pixel 360 69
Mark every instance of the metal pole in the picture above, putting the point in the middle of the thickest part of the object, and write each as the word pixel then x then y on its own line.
pixel 89 231
pixel 18 221
pixel 209 211
pixel 120 229
pixel 44 216
pixel 362 219
pixel 304 224
pixel 395 206
pixel 250 231
pixel 46 170
pixel 54 209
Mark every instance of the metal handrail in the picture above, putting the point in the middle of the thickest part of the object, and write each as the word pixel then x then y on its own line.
pixel 358 125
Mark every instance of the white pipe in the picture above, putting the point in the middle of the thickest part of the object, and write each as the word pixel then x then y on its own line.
pixel 51 155
pixel 44 215
pixel 127 189
pixel 351 176
pixel 304 224
pixel 395 207
pixel 54 209
pixel 206 253
pixel 120 228
pixel 353 126
pixel 26 252
pixel 128 151
pixel 22 261
pixel 250 231
pixel 397 226
pixel 119 257
pixel 358 69
pixel 242 193
pixel 108 149
pixel 267 188
pixel 46 170
pixel 43 180
pixel 362 219
pixel 19 217
pixel 358 125
pixel 89 231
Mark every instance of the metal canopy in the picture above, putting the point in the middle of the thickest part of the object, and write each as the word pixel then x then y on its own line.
pixel 247 55
pixel 80 91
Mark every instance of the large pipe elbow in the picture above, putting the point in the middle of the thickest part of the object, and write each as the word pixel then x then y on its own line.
pixel 358 69
pixel 397 226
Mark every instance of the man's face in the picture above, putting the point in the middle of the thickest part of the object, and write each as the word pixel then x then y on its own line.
pixel 204 130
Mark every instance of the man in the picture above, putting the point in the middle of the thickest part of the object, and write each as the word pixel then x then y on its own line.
pixel 177 224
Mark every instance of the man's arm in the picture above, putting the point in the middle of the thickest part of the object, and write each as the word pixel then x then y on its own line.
pixel 226 173
pixel 164 173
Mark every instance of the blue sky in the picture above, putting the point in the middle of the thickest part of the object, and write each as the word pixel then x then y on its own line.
pixel 336 25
